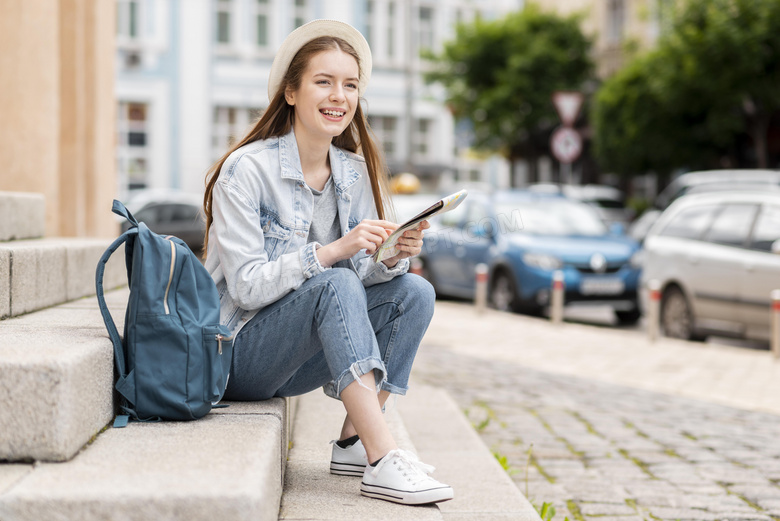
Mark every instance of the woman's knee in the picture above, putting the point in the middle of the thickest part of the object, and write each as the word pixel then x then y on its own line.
pixel 419 294
pixel 341 282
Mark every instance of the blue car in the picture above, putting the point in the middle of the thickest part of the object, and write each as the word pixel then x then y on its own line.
pixel 525 237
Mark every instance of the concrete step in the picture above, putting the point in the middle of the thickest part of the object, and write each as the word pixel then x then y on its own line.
pixel 39 273
pixel 311 492
pixel 225 466
pixel 56 379
pixel 22 215
pixel 426 421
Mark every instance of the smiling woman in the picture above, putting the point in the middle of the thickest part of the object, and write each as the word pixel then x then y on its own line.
pixel 293 214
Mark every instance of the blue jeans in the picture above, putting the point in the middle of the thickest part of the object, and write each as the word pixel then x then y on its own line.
pixel 328 333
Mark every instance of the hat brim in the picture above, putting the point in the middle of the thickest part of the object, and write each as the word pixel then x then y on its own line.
pixel 315 29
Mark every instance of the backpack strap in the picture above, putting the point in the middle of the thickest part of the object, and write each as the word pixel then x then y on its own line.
pixel 120 209
pixel 119 353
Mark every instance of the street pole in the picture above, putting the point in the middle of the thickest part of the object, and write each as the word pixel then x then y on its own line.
pixel 409 48
pixel 776 323
pixel 481 274
pixel 556 300
pixel 653 310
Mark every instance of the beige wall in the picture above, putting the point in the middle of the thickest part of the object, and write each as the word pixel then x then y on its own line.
pixel 56 90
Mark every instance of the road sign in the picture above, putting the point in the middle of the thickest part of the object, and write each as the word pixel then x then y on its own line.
pixel 566 144
pixel 568 104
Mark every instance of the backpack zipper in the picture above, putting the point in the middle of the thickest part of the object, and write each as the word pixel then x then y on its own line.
pixel 170 277
pixel 220 338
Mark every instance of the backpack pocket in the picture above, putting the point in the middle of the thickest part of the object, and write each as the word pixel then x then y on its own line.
pixel 218 354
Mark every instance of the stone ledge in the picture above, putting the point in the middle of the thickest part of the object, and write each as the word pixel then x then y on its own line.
pixel 223 466
pixel 40 273
pixel 22 215
pixel 55 390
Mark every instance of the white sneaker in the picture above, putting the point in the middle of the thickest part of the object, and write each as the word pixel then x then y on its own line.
pixel 351 461
pixel 402 478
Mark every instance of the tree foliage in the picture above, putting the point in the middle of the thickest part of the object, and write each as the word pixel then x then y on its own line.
pixel 501 74
pixel 713 78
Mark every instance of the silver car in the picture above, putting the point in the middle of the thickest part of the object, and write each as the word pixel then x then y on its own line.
pixel 717 259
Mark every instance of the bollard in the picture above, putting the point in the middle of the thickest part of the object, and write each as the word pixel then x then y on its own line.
pixel 480 299
pixel 776 322
pixel 653 310
pixel 556 300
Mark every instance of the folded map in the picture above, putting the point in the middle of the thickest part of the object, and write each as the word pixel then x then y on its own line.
pixel 388 249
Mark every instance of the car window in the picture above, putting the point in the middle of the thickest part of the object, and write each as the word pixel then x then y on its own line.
pixel 453 217
pixel 690 223
pixel 767 229
pixel 554 217
pixel 184 213
pixel 476 212
pixel 148 215
pixel 732 225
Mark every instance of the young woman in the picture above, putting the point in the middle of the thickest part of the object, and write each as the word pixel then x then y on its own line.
pixel 293 216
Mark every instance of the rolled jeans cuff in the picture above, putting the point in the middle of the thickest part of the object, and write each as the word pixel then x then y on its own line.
pixel 335 387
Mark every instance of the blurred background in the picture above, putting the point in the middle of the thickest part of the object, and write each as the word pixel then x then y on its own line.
pixel 623 106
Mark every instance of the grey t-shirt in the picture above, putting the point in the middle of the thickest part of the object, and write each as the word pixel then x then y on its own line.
pixel 324 227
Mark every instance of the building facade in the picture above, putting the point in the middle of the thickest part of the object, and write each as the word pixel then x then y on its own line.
pixel 191 75
pixel 616 26
pixel 57 94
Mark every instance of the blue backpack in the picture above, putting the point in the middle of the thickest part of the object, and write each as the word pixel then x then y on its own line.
pixel 174 358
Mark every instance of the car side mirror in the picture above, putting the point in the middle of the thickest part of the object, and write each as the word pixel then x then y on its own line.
pixel 775 247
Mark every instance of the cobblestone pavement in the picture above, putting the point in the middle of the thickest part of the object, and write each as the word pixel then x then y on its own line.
pixel 604 451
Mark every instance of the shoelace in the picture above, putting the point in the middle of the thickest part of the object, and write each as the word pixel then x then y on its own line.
pixel 418 471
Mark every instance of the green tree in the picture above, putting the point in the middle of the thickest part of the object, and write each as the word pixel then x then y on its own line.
pixel 712 79
pixel 501 74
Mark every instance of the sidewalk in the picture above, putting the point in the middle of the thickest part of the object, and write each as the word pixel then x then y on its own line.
pixel 734 376
pixel 426 421
pixel 609 427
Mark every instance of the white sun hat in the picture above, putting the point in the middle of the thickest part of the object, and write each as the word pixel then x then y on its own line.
pixel 306 33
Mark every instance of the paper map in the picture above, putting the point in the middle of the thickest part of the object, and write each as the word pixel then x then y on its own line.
pixel 388 249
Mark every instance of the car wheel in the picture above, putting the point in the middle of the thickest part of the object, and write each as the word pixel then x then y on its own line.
pixel 628 318
pixel 503 292
pixel 676 316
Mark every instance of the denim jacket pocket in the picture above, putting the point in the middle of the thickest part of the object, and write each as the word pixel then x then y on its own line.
pixel 275 234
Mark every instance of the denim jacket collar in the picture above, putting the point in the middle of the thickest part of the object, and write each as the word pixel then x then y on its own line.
pixel 344 175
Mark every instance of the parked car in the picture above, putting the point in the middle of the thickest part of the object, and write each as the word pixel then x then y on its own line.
pixel 702 182
pixel 171 213
pixel 717 257
pixel 717 180
pixel 610 202
pixel 524 237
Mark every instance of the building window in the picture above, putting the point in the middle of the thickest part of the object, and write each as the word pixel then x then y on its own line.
pixel 127 19
pixel 384 128
pixel 422 137
pixel 301 14
pixel 616 20
pixel 223 33
pixel 262 22
pixel 425 28
pixel 132 144
pixel 230 124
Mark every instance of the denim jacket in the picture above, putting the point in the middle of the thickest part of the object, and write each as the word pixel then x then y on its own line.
pixel 262 211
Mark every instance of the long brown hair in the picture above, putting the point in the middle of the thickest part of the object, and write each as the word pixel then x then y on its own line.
pixel 278 119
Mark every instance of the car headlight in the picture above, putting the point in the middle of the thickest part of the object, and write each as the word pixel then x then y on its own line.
pixel 637 259
pixel 542 260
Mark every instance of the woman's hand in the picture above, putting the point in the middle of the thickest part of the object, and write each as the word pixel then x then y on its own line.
pixel 368 235
pixel 409 244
